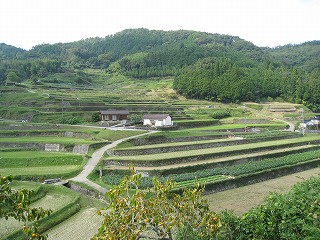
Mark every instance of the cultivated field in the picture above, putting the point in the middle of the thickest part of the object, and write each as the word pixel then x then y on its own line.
pixel 242 199
pixel 76 213
pixel 22 149
pixel 218 144
pixel 81 226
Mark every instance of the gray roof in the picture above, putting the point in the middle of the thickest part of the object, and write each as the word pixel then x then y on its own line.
pixel 155 116
pixel 114 111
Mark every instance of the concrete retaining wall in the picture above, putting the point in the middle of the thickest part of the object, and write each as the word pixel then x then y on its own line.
pixel 53 147
pixel 81 149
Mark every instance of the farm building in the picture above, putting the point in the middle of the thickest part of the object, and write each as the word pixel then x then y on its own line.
pixel 315 122
pixel 157 120
pixel 114 115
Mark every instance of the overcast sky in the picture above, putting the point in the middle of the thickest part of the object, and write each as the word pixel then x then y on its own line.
pixel 26 23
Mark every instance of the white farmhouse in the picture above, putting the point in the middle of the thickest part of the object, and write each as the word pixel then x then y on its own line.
pixel 157 120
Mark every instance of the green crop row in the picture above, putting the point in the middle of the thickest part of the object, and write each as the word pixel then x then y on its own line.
pixel 237 126
pixel 250 167
pixel 192 155
pixel 41 161
pixel 184 146
pixel 235 170
pixel 264 134
pixel 190 183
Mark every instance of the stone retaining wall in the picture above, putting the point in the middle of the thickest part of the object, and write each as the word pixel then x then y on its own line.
pixel 28 127
pixel 50 133
pixel 79 149
pixel 37 146
pixel 157 140
pixel 250 121
pixel 84 190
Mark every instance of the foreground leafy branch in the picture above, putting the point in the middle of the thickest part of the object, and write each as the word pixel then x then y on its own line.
pixel 156 213
pixel 16 204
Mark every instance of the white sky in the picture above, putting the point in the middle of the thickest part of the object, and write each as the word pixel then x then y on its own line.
pixel 26 23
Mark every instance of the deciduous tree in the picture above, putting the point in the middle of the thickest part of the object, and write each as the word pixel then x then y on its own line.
pixel 157 213
pixel 16 204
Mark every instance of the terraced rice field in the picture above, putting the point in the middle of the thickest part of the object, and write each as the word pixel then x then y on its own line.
pixel 41 171
pixel 220 161
pixel 61 140
pixel 203 180
pixel 213 163
pixel 22 149
pixel 55 199
pixel 37 163
pixel 81 226
pixel 192 154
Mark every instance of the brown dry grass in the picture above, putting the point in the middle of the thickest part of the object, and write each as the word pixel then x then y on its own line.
pixel 242 199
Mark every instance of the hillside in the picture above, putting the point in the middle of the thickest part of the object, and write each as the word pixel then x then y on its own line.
pixel 202 65
pixel 304 56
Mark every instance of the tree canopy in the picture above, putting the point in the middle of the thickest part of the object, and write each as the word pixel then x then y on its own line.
pixel 205 66
pixel 156 213
pixel 16 204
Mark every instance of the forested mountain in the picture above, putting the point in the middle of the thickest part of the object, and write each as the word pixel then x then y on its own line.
pixel 303 56
pixel 205 66
pixel 10 52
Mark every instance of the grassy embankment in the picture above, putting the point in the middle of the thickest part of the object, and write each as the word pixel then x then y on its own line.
pixel 25 162
pixel 66 205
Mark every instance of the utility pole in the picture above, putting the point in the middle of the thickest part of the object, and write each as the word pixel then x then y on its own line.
pixel 302 122
pixel 245 118
pixel 62 109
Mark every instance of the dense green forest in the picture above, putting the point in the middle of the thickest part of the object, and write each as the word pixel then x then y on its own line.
pixel 204 66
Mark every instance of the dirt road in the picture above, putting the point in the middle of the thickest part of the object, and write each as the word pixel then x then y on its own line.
pixel 94 160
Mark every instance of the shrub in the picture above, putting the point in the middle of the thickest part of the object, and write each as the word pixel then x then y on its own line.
pixel 283 216
pixel 223 113
pixel 95 117
pixel 71 121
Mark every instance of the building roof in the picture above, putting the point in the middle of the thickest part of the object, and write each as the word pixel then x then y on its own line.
pixel 114 111
pixel 155 116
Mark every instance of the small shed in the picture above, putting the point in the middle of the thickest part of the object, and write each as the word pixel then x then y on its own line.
pixel 157 120
pixel 114 115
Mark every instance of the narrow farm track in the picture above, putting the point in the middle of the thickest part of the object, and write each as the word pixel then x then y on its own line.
pixel 94 160
pixel 265 113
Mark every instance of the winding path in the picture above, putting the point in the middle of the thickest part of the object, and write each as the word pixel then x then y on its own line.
pixel 264 115
pixel 94 160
